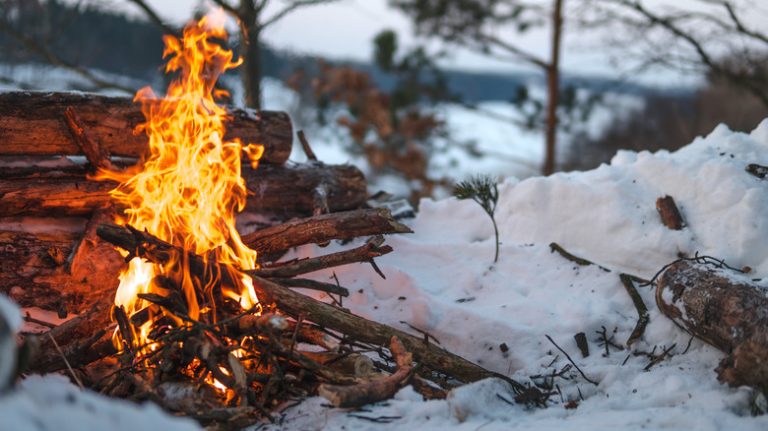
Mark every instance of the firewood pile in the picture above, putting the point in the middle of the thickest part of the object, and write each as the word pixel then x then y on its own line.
pixel 229 367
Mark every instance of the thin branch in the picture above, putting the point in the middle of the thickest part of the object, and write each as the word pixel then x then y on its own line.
pixel 704 56
pixel 155 18
pixel 290 8
pixel 515 51
pixel 228 7
pixel 571 360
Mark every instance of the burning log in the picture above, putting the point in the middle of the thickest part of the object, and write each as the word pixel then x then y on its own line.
pixel 34 123
pixel 730 315
pixel 283 190
pixel 296 304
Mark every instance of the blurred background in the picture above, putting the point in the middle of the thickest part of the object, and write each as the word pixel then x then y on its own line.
pixel 422 93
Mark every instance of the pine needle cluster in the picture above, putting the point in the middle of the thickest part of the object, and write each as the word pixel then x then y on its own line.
pixel 483 190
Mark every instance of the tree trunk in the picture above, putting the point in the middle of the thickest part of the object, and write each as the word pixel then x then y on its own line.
pixel 279 190
pixel 250 51
pixel 34 123
pixel 553 89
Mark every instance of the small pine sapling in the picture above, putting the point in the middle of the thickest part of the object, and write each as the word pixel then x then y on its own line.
pixel 483 190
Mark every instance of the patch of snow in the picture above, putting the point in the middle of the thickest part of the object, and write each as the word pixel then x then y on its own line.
pixel 51 403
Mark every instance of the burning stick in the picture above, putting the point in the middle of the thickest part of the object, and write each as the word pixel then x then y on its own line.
pixel 373 390
pixel 321 313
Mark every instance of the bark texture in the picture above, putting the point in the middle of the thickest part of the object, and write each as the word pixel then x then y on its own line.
pixel 728 314
pixel 280 190
pixel 34 123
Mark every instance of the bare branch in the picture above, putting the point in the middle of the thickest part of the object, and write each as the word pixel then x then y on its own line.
pixel 704 56
pixel 290 8
pixel 514 50
pixel 155 18
pixel 228 7
pixel 53 59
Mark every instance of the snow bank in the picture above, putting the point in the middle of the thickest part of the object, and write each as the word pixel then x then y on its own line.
pixel 609 214
pixel 441 280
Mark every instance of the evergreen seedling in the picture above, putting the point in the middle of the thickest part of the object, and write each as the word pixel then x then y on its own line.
pixel 483 190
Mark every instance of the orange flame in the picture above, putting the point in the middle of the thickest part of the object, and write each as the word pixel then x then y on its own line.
pixel 189 188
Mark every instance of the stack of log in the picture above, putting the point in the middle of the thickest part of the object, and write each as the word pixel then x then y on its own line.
pixel 58 251
pixel 39 179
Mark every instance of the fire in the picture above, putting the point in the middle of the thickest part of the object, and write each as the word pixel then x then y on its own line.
pixel 188 188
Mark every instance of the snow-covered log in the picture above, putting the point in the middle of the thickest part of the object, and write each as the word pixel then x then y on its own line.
pixel 727 312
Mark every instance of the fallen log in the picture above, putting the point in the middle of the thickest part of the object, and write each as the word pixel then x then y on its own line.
pixel 34 123
pixel 728 314
pixel 281 190
pixel 323 228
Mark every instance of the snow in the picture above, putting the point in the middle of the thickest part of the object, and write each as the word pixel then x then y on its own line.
pixel 441 280
pixel 52 403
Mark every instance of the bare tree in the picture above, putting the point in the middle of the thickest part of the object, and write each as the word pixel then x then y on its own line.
pixel 710 37
pixel 35 43
pixel 253 20
pixel 476 24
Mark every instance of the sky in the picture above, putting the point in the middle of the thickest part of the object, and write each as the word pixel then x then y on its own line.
pixel 344 29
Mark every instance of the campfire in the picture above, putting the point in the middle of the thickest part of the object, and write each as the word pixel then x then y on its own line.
pixel 204 321
pixel 186 193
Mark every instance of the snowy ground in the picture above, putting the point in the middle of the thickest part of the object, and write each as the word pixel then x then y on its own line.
pixel 441 279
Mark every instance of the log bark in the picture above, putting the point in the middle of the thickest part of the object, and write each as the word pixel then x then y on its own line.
pixel 320 229
pixel 56 264
pixel 730 315
pixel 34 123
pixel 281 190
pixel 367 331
pixel 27 264
pixel 365 253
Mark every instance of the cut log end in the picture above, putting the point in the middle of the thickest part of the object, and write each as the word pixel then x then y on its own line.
pixel 669 213
pixel 730 315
